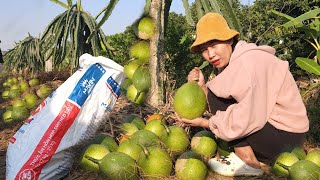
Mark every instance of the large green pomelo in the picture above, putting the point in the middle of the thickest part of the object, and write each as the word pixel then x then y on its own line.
pixel 118 166
pixel 130 68
pixel 24 86
pixel 155 126
pixel 146 28
pixel 34 82
pixel 155 163
pixel 96 151
pixel 304 170
pixel 134 96
pixel 19 103
pixel 141 79
pixel 5 94
pixel 14 80
pixel 13 93
pixel 223 148
pixel 175 138
pixel 314 156
pixel 287 159
pixel 126 83
pixel 44 91
pixel 128 129
pixel 130 148
pixel 141 52
pixel 203 143
pixel 136 120
pixel 189 166
pixel 107 141
pixel 15 87
pixel 19 113
pixel 7 117
pixel 31 100
pixel 190 101
pixel 299 152
pixel 145 138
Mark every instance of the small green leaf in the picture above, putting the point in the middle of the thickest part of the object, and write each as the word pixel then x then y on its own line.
pixel 318 55
pixel 308 65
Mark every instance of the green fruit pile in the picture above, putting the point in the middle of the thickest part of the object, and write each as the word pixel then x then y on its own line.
pixel 23 96
pixel 138 78
pixel 150 149
pixel 298 164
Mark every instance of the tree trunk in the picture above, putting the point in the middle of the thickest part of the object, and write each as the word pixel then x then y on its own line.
pixel 156 63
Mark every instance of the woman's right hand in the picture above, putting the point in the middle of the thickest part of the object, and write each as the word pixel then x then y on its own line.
pixel 196 75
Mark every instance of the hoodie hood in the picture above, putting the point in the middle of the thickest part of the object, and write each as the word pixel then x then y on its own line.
pixel 243 47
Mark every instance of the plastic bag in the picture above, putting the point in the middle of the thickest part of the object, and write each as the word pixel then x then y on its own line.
pixel 44 146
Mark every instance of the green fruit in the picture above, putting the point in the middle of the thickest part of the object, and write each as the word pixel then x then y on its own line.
pixel 130 68
pixel 223 148
pixel 135 96
pixel 189 166
pixel 190 101
pixel 14 80
pixel 34 82
pixel 15 87
pixel 107 141
pixel 299 152
pixel 204 144
pixel 44 91
pixel 130 148
pixel 145 138
pixel 19 113
pixel 96 151
pixel 5 94
pixel 155 126
pixel 136 120
pixel 18 103
pixel 141 79
pixel 127 82
pixel 7 117
pixel 141 52
pixel 13 93
pixel 146 28
pixel 175 139
pixel 24 86
pixel 118 166
pixel 155 162
pixel 31 100
pixel 314 156
pixel 287 159
pixel 128 129
pixel 304 170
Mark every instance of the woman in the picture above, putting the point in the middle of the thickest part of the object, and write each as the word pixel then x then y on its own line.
pixel 256 103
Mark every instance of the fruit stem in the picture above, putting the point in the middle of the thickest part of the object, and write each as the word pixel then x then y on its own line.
pixel 284 166
pixel 138 94
pixel 97 161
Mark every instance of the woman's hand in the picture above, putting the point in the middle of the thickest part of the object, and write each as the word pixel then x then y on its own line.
pixel 201 122
pixel 196 75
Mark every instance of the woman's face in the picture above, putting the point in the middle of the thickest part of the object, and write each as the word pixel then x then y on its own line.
pixel 217 53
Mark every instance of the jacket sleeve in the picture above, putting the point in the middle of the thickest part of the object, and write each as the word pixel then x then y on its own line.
pixel 245 117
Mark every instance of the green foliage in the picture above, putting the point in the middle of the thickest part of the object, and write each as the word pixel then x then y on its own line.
pixel 122 42
pixel 178 40
pixel 258 25
pixel 67 37
pixel 26 54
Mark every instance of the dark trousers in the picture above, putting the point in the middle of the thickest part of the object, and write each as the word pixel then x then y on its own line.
pixel 266 143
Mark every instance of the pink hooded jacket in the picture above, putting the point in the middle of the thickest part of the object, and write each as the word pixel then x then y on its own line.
pixel 265 91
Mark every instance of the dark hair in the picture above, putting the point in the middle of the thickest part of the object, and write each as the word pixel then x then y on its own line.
pixel 235 42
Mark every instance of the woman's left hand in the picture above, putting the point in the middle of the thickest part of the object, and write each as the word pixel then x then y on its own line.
pixel 201 122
